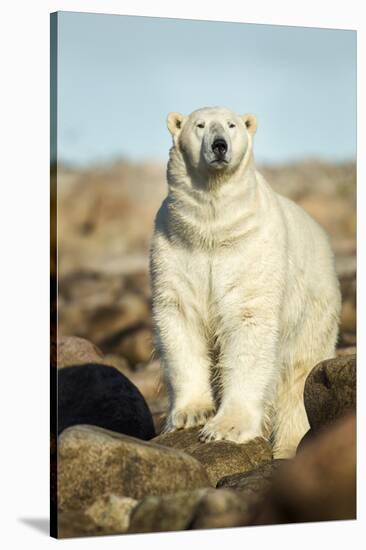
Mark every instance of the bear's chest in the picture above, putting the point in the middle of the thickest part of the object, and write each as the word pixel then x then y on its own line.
pixel 204 277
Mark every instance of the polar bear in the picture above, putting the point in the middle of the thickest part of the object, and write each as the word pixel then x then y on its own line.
pixel 245 295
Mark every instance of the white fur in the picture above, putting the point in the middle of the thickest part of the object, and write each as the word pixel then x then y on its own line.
pixel 245 295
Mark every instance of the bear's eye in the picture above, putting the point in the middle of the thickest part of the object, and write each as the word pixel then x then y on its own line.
pixel 201 125
pixel 231 125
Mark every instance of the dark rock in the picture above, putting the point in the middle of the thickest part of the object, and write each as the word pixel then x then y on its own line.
pixel 94 462
pixel 330 390
pixel 102 396
pixel 220 458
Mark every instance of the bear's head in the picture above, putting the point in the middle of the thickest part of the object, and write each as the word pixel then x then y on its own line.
pixel 212 139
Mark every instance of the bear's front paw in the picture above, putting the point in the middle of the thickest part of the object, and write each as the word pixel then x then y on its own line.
pixel 231 427
pixel 189 416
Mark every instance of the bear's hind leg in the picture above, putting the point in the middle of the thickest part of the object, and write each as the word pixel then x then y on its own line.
pixel 290 422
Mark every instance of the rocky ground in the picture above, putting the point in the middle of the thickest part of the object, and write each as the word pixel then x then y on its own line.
pixel 111 480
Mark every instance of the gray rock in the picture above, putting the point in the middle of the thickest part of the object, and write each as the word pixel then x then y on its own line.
pixel 72 350
pixel 93 462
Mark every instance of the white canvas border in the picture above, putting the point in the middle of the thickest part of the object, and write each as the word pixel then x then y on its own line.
pixel 24 403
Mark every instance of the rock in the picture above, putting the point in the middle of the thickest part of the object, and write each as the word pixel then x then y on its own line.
pixel 255 481
pixel 237 499
pixel 108 515
pixel 199 509
pixel 220 458
pixel 186 440
pixel 94 461
pixel 319 484
pixel 222 508
pixel 72 350
pixel 309 436
pixel 330 390
pixel 102 396
pixel 165 513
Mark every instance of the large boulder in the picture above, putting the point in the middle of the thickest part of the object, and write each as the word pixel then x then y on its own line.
pixel 102 396
pixel 220 458
pixel 330 391
pixel 93 462
pixel 320 483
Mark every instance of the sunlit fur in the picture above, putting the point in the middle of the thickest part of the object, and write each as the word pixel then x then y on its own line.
pixel 245 295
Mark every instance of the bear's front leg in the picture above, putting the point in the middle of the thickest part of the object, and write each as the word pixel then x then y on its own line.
pixel 186 368
pixel 248 340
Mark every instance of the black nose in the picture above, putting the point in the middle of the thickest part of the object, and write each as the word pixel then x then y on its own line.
pixel 219 147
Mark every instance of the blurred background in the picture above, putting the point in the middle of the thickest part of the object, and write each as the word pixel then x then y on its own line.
pixel 118 77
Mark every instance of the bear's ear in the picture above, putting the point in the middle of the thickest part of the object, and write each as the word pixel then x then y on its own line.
pixel 250 122
pixel 174 122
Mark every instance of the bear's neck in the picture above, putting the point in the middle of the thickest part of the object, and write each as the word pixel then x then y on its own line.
pixel 212 213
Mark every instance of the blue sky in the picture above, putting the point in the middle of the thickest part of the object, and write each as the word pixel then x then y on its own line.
pixel 119 76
